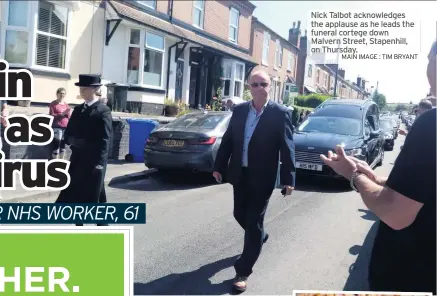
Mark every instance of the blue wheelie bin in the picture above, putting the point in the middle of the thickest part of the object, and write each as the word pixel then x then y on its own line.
pixel 139 132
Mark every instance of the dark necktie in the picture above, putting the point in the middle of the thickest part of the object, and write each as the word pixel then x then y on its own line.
pixel 85 106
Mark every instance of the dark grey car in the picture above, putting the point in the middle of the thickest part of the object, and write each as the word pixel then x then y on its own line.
pixel 189 142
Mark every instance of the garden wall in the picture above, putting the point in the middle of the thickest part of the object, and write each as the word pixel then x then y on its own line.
pixel 117 151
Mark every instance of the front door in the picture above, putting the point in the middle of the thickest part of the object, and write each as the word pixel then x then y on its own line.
pixel 179 80
pixel 193 84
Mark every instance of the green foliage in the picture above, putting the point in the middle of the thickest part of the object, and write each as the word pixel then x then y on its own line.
pixel 398 107
pixel 401 107
pixel 216 103
pixel 311 100
pixel 246 94
pixel 219 94
pixel 170 102
pixel 380 100
pixel 296 113
pixel 289 101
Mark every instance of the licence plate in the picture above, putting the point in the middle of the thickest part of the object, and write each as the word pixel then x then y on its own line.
pixel 309 166
pixel 173 143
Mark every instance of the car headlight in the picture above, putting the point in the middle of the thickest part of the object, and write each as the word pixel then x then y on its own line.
pixel 353 152
pixel 388 136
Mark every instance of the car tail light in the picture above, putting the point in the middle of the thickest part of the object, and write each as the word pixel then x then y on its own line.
pixel 208 141
pixel 152 140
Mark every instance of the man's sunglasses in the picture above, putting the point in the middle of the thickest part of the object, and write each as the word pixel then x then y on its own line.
pixel 262 84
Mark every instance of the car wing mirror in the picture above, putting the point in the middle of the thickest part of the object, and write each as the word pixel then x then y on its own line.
pixel 374 134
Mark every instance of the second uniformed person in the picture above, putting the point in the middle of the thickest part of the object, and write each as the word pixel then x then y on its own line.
pixel 89 135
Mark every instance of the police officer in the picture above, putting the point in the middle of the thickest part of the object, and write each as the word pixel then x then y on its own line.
pixel 89 134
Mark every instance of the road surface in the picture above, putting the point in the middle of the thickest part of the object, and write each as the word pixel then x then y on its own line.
pixel 191 240
pixel 320 237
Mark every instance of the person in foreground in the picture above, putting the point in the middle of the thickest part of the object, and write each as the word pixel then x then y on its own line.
pixel 88 133
pixel 258 138
pixel 404 252
pixel 424 105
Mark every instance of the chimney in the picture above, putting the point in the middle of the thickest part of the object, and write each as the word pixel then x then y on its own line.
pixel 359 81
pixel 341 73
pixel 294 35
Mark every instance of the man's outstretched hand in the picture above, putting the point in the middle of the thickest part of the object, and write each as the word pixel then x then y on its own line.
pixel 402 132
pixel 218 177
pixel 340 162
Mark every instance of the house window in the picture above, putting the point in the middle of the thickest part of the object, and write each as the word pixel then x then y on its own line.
pixel 290 62
pixel 234 17
pixel 239 78
pixel 232 77
pixel 153 60
pixel 318 76
pixel 266 43
pixel 226 79
pixel 51 34
pixel 278 54
pixel 310 72
pixel 149 3
pixel 198 13
pixel 272 88
pixel 133 58
pixel 146 52
pixel 280 57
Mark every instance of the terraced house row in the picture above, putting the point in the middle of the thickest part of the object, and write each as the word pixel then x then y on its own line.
pixel 159 50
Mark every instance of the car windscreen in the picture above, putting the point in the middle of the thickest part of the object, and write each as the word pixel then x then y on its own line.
pixel 339 110
pixel 203 121
pixel 385 125
pixel 331 125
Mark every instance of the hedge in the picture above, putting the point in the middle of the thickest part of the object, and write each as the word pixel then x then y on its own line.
pixel 296 113
pixel 311 100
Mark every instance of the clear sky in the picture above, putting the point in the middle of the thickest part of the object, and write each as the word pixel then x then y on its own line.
pixel 401 80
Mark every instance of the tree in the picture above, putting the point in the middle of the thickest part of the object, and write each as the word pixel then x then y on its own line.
pixel 380 100
pixel 401 107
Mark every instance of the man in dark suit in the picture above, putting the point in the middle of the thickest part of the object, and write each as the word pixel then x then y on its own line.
pixel 89 135
pixel 431 71
pixel 258 138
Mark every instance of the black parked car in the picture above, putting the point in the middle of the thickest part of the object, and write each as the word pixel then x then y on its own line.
pixel 390 133
pixel 189 142
pixel 351 123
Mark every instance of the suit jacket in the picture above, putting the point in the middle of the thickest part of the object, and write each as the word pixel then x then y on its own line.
pixel 90 130
pixel 271 144
pixel 89 133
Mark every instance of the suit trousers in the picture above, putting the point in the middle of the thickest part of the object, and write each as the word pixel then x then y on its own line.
pixel 251 198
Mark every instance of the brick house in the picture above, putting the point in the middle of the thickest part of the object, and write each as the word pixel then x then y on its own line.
pixel 55 40
pixel 278 56
pixel 188 49
pixel 313 77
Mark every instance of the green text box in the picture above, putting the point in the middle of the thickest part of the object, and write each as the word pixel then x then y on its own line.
pixel 95 261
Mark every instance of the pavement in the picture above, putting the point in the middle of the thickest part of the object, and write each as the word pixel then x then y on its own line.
pixel 320 237
pixel 32 110
pixel 117 172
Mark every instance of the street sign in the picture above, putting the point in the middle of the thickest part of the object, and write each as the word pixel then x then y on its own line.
pixel 294 89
